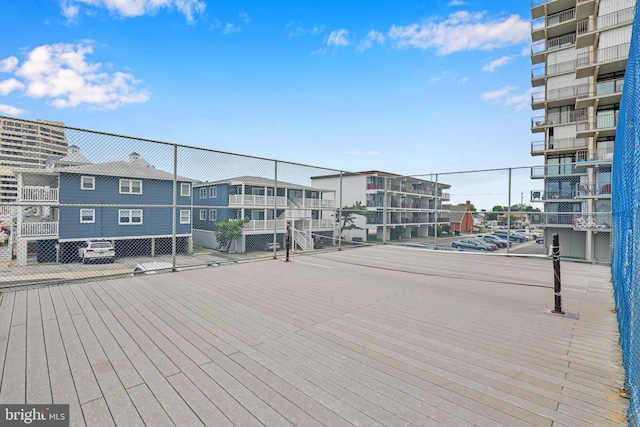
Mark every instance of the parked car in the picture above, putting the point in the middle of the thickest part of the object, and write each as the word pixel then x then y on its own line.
pixel 96 250
pixel 318 242
pixel 153 267
pixel 269 246
pixel 419 245
pixel 540 240
pixel 474 244
pixel 514 237
pixel 490 238
pixel 528 234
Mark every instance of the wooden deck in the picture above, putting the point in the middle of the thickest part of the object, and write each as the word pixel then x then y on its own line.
pixel 381 336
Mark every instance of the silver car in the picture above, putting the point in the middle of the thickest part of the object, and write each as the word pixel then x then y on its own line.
pixel 473 244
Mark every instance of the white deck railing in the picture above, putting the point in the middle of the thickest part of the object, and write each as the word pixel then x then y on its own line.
pixel 39 194
pixel 39 229
pixel 256 200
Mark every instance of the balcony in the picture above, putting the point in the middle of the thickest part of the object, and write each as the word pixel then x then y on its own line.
pixel 567 169
pixel 38 229
pixel 552 25
pixel 587 29
pixel 540 123
pixel 608 60
pixel 35 194
pixel 540 8
pixel 553 98
pixel 559 196
pixel 599 221
pixel 317 224
pixel 590 191
pixel 606 92
pixel 252 200
pixel 537 148
pixel 541 48
pixel 604 124
pixel 586 8
pixel 262 225
pixel 313 203
pixel 594 157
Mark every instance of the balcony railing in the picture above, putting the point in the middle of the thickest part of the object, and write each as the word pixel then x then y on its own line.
pixel 39 194
pixel 607 54
pixel 592 221
pixel 567 143
pixel 556 170
pixel 559 118
pixel 598 155
pixel 256 200
pixel 554 94
pixel 314 203
pixel 594 190
pixel 265 224
pixel 605 21
pixel 605 120
pixel 535 3
pixel 39 229
pixel 560 17
pixel 553 44
pixel 539 195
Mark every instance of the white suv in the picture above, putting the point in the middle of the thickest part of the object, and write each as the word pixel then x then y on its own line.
pixel 96 250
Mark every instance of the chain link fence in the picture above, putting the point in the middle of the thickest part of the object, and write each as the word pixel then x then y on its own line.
pixel 626 213
pixel 90 204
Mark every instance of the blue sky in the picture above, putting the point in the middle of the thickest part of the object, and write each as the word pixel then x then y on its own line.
pixel 407 87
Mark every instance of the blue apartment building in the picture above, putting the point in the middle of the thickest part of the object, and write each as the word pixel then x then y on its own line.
pixel 269 206
pixel 74 200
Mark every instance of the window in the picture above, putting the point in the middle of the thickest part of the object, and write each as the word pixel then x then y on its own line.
pixel 203 214
pixel 88 183
pixel 213 192
pixel 130 186
pixel 185 216
pixel 203 193
pixel 213 215
pixel 87 216
pixel 185 189
pixel 129 216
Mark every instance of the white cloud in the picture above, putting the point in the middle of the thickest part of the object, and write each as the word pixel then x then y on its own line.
pixel 372 36
pixel 500 93
pixel 296 30
pixel 496 63
pixel 245 17
pixel 61 73
pixel 132 8
pixel 456 3
pixel 230 28
pixel 338 38
pixel 504 96
pixel 9 85
pixel 9 110
pixel 7 65
pixel 462 31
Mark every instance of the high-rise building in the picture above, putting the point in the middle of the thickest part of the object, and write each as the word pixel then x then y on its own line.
pixel 579 55
pixel 27 144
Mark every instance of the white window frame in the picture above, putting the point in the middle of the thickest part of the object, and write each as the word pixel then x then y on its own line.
pixel 213 214
pixel 129 184
pixel 185 213
pixel 203 214
pixel 93 216
pixel 185 189
pixel 130 215
pixel 92 180
pixel 213 192
pixel 203 193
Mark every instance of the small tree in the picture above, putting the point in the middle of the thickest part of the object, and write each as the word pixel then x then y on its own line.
pixel 347 219
pixel 228 230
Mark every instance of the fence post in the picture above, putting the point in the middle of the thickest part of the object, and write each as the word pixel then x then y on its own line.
pixel 288 237
pixel 275 212
pixel 175 205
pixel 435 233
pixel 340 215
pixel 557 283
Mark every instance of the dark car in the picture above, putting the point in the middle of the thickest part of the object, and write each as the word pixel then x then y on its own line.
pixel 474 244
pixel 318 242
pixel 490 238
pixel 540 240
pixel 514 237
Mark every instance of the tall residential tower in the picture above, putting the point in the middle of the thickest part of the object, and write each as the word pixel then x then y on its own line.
pixel 579 55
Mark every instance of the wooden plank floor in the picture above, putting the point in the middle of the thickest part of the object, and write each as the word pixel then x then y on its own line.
pixel 381 336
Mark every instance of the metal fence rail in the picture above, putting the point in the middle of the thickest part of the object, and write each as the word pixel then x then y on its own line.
pixel 626 216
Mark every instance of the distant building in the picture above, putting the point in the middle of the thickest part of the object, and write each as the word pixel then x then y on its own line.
pixel 269 206
pixel 461 218
pixel 399 206
pixel 27 144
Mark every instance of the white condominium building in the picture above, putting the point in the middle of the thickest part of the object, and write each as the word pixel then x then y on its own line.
pixel 579 55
